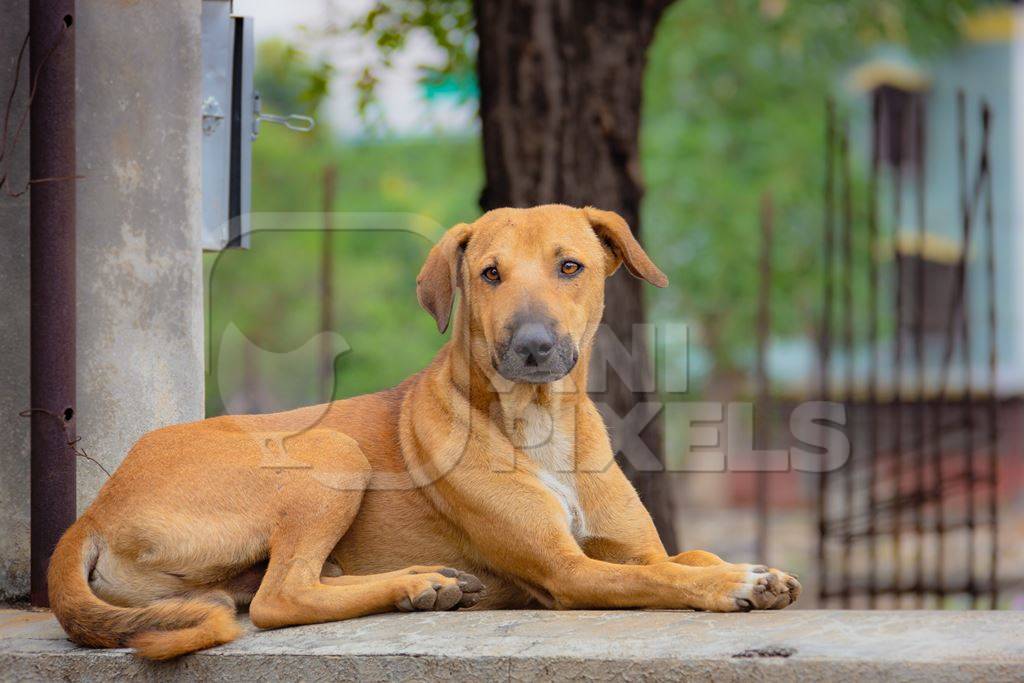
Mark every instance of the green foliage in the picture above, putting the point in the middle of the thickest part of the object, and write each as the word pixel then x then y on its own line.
pixel 735 93
pixel 733 111
pixel 391 24
pixel 288 82
pixel 389 195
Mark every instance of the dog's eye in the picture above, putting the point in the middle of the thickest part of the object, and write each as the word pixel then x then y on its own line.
pixel 571 268
pixel 491 274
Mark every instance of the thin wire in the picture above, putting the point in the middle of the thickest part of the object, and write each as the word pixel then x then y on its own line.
pixel 24 115
pixel 72 443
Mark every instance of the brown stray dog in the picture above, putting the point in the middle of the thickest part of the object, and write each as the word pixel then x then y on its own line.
pixel 492 460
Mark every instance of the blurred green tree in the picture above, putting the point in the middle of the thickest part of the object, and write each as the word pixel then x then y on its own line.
pixel 734 109
pixel 389 193
pixel 560 96
pixel 733 99
pixel 288 80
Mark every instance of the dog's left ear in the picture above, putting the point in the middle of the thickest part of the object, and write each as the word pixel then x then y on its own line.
pixel 439 277
pixel 622 246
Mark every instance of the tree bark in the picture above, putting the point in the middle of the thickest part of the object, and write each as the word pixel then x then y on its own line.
pixel 560 95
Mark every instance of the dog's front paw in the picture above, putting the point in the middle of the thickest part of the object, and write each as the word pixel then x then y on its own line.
pixel 745 587
pixel 764 587
pixel 438 591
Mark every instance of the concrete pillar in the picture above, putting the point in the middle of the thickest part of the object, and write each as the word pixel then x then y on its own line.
pixel 14 389
pixel 140 320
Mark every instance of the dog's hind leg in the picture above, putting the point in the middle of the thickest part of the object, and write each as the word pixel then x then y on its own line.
pixel 697 558
pixel 293 591
pixel 313 513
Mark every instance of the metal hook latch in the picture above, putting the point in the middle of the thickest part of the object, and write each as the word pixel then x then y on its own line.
pixel 296 122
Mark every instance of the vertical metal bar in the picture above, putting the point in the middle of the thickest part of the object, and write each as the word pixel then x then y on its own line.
pixel 897 374
pixel 872 402
pixel 763 333
pixel 942 388
pixel 847 294
pixel 968 409
pixel 919 353
pixel 825 344
pixel 993 360
pixel 52 282
pixel 965 220
pixel 327 286
pixel 967 202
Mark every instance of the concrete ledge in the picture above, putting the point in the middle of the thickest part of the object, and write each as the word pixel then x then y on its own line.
pixel 786 646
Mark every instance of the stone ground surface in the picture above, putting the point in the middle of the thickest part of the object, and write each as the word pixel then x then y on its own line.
pixel 731 533
pixel 793 645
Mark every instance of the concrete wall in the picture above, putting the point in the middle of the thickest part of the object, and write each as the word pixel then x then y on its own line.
pixel 13 318
pixel 140 314
pixel 140 321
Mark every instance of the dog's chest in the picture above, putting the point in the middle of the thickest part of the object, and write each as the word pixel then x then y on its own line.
pixel 553 452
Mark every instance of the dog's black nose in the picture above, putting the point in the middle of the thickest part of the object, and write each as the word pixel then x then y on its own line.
pixel 533 343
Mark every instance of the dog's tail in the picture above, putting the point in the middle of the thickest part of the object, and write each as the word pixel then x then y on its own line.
pixel 162 630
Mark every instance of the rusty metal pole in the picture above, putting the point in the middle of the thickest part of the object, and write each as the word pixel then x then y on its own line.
pixel 873 357
pixel 825 341
pixel 846 251
pixel 52 281
pixel 992 404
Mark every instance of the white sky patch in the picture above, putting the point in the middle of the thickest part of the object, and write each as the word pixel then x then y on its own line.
pixel 403 107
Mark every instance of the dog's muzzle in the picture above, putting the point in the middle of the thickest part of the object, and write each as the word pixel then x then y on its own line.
pixel 534 354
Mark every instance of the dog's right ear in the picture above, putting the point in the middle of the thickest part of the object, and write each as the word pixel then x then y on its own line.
pixel 439 277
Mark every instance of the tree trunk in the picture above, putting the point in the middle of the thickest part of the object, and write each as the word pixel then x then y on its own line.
pixel 560 94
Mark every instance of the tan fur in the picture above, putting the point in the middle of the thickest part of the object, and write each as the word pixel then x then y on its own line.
pixel 456 467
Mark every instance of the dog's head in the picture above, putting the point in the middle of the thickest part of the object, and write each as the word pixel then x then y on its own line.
pixel 532 283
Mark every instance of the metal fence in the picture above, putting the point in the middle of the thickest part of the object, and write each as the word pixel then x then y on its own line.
pixel 912 518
